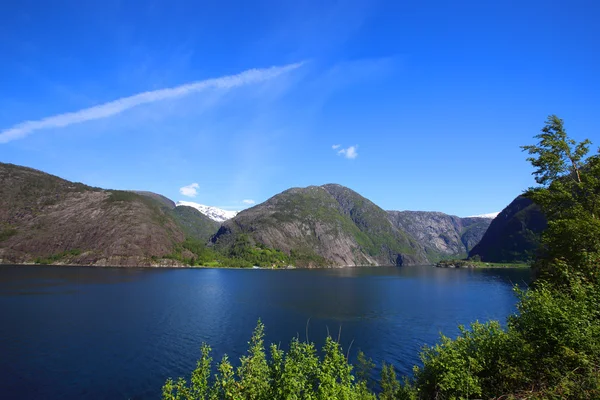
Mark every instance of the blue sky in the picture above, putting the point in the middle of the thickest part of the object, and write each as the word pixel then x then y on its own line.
pixel 428 101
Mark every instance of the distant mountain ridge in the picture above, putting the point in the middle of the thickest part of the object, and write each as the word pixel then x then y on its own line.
pixel 214 213
pixel 441 235
pixel 46 218
pixel 488 215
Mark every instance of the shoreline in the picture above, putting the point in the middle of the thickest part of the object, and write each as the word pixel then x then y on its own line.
pixel 467 264
pixel 449 264
pixel 149 266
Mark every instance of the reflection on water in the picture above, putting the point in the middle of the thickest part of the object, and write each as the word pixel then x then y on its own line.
pixel 45 279
pixel 120 332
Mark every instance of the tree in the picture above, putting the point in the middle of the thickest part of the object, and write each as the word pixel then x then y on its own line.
pixel 569 196
pixel 557 154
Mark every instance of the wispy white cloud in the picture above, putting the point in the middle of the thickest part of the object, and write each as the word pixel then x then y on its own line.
pixel 335 146
pixel 350 152
pixel 190 190
pixel 248 201
pixel 118 106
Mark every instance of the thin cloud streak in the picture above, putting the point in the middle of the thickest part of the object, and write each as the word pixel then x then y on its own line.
pixel 118 106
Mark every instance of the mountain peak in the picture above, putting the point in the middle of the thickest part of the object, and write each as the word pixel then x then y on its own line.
pixel 489 215
pixel 214 213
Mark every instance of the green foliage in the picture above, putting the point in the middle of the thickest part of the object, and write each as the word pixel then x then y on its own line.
pixel 57 256
pixel 471 263
pixel 474 364
pixel 305 258
pixel 194 224
pixel 556 155
pixel 475 258
pixel 570 199
pixel 550 348
pixel 298 373
pixel 7 232
pixel 244 250
pixel 364 366
pixel 122 195
pixel 390 386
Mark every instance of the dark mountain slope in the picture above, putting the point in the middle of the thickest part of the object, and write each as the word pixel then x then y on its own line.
pixel 441 235
pixel 329 222
pixel 194 223
pixel 514 235
pixel 165 201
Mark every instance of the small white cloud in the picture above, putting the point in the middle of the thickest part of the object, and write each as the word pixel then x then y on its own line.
pixel 190 190
pixel 335 146
pixel 248 201
pixel 350 153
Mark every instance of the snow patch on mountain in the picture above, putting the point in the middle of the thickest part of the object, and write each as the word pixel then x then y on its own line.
pixel 214 213
pixel 490 215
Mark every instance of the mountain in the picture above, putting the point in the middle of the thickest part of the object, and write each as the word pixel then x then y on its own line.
pixel 46 219
pixel 194 223
pixel 214 213
pixel 441 235
pixel 166 202
pixel 322 225
pixel 49 219
pixel 514 235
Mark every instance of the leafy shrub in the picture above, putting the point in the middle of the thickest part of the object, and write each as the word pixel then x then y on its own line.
pixel 57 256
pixel 298 373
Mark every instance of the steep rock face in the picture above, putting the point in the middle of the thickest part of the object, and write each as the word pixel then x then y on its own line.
pixel 441 235
pixel 514 235
pixel 473 230
pixel 328 221
pixel 43 216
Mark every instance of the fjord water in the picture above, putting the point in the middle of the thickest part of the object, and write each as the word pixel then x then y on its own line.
pixel 77 332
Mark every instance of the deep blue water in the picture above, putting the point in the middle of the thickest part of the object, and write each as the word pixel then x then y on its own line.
pixel 76 332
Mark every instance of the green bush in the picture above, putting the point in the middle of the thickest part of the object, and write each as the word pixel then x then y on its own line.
pixel 57 256
pixel 551 347
pixel 298 373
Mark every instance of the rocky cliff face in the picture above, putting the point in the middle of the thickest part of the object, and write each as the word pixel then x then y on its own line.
pixel 46 217
pixel 441 235
pixel 514 235
pixel 330 221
